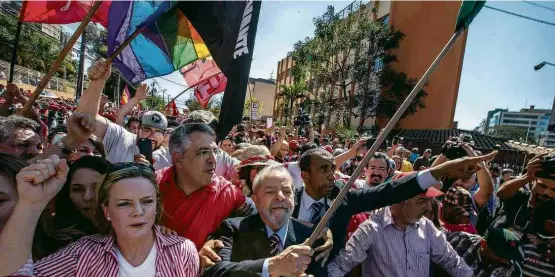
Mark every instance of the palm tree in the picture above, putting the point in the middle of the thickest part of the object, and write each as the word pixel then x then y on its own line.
pixel 290 94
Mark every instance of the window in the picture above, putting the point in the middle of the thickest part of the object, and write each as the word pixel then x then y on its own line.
pixel 385 19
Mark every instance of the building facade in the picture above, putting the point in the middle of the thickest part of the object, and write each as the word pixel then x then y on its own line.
pixel 533 121
pixel 262 93
pixel 427 27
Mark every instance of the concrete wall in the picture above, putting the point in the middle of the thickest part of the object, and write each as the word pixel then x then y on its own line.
pixel 427 27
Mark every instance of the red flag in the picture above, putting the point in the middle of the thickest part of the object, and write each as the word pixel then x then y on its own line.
pixel 210 87
pixel 62 12
pixel 206 77
pixel 125 96
pixel 171 109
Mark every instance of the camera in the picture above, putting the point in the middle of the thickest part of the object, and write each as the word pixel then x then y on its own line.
pixel 548 168
pixel 452 149
pixel 303 119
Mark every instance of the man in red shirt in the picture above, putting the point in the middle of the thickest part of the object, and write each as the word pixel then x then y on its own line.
pixel 195 200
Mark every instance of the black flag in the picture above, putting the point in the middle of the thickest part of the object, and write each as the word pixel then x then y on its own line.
pixel 228 29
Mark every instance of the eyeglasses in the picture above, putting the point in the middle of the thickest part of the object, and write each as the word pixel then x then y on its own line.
pixel 205 153
pixel 146 131
pixel 119 166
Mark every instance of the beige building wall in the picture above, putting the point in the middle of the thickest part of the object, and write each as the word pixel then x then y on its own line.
pixel 263 90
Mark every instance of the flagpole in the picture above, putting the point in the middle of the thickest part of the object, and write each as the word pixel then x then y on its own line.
pixel 16 45
pixel 124 44
pixel 69 45
pixel 381 137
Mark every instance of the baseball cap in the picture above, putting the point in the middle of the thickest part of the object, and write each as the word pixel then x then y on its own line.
pixel 432 192
pixel 504 244
pixel 154 119
pixel 459 197
pixel 293 145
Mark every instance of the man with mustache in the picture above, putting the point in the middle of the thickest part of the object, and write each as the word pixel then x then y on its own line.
pixel 378 170
pixel 399 241
pixel 19 138
pixel 518 204
pixel 317 170
pixel 268 243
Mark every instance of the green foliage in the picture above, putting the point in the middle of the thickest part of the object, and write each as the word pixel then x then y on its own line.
pixel 290 94
pixel 36 50
pixel 346 132
pixel 214 105
pixel 155 102
pixel 514 133
pixel 352 51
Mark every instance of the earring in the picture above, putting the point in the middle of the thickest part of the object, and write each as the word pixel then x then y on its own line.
pixel 108 218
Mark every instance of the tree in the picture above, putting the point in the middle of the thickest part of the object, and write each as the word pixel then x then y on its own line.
pixel 100 50
pixel 214 105
pixel 348 64
pixel 247 106
pixel 36 50
pixel 290 94
pixel 514 133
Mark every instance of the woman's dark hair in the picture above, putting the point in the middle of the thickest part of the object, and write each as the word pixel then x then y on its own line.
pixel 9 167
pixel 66 224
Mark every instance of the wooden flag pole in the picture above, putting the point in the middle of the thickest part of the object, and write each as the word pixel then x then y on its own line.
pixel 381 137
pixel 69 45
pixel 124 44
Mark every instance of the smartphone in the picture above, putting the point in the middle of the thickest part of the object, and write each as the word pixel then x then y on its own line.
pixel 145 148
pixel 269 123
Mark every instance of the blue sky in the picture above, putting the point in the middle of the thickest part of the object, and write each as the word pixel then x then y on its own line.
pixel 498 72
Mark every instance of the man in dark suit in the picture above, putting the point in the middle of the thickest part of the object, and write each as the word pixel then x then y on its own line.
pixel 266 244
pixel 318 174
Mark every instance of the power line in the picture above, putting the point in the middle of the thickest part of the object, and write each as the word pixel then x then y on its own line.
pixel 541 6
pixel 520 15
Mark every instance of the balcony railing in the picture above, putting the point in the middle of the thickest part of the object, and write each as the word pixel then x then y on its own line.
pixel 31 77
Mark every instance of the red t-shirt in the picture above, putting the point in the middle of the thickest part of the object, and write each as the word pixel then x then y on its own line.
pixel 199 214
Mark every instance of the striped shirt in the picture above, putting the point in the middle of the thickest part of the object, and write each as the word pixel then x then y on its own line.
pixel 535 263
pixel 395 252
pixel 468 247
pixel 96 256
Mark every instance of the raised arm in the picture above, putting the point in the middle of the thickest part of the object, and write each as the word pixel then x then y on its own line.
pixel 141 94
pixel 89 102
pixel 485 191
pixel 341 159
pixel 510 188
pixel 277 146
pixel 37 184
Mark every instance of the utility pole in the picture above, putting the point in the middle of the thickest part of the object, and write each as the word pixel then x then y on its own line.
pixel 81 70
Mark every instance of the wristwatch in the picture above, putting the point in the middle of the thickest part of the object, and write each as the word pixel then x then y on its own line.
pixel 65 150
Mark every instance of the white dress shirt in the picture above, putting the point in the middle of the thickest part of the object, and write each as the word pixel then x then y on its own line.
pixel 305 210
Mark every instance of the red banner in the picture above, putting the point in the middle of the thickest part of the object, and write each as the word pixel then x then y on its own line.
pixel 207 79
pixel 63 12
pixel 171 109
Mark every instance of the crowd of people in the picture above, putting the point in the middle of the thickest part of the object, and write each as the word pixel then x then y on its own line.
pixel 91 189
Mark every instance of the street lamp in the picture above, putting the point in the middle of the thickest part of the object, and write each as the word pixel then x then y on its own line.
pixel 542 64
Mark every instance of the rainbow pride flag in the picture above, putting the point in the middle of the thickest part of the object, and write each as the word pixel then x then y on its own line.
pixel 167 43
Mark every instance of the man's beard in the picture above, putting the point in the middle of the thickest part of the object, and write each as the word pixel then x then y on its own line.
pixel 378 178
pixel 276 218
